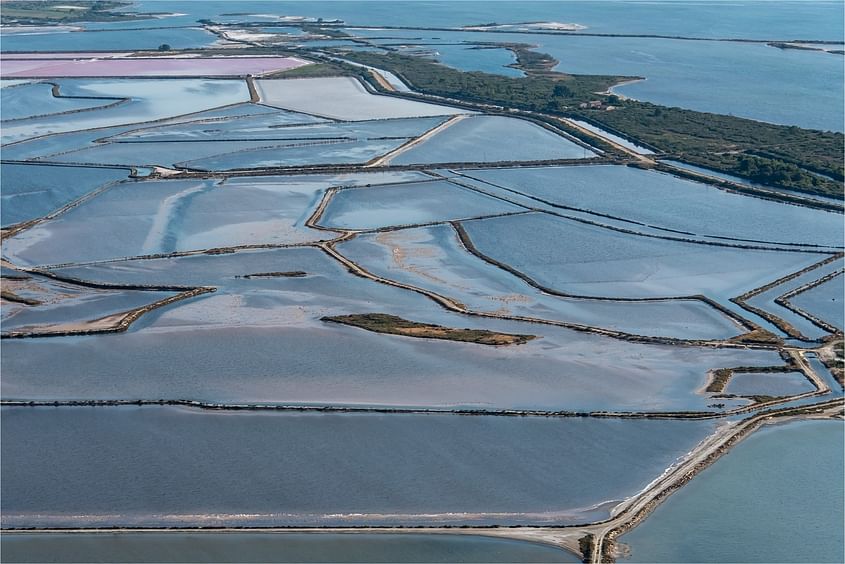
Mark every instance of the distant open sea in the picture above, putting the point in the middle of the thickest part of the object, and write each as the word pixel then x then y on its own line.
pixel 753 80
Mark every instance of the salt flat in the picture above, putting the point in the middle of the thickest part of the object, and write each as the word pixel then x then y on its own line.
pixel 342 98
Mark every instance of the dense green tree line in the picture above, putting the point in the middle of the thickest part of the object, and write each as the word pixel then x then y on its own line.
pixel 776 155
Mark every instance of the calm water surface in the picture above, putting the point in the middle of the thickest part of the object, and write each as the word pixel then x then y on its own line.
pixel 271 547
pixel 777 497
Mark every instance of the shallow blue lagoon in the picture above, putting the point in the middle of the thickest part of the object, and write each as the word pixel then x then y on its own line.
pixel 470 58
pixel 776 497
pixel 748 80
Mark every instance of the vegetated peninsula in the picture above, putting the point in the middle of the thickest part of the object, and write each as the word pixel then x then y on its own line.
pixel 393 325
pixel 781 156
pixel 62 12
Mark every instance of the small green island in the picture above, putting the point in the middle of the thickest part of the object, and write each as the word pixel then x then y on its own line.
pixel 393 325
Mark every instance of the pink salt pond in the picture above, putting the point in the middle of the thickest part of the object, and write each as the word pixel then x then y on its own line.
pixel 35 67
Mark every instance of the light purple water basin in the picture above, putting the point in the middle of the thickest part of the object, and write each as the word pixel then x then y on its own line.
pixel 156 66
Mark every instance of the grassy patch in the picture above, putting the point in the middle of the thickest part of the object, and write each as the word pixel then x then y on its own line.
pixel 316 70
pixel 758 336
pixel 761 398
pixel 54 12
pixel 393 325
pixel 719 380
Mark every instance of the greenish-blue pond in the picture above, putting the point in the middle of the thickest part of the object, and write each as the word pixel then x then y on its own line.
pixel 776 497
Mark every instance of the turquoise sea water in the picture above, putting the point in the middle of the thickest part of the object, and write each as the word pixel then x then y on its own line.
pixel 777 497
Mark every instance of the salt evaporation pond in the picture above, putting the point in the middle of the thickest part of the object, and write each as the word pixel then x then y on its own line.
pixel 601 262
pixel 776 497
pixel 161 216
pixel 62 304
pixel 90 466
pixel 232 111
pixel 433 258
pixel 408 204
pixel 208 546
pixel 767 300
pixel 342 98
pixel 663 200
pixel 298 154
pixel 282 125
pixel 223 347
pixel 768 383
pixel 148 99
pixel 156 66
pixel 34 99
pixel 248 142
pixel 491 139
pixel 53 146
pixel 168 154
pixel 824 301
pixel 32 191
